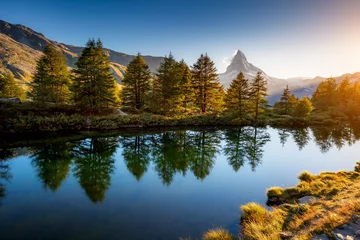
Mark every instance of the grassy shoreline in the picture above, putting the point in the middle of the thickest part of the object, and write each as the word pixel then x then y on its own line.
pixel 57 119
pixel 333 200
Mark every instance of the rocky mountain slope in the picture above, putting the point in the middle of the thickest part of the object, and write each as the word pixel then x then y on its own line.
pixel 21 47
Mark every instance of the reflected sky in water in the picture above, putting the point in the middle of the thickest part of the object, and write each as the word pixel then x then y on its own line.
pixel 158 185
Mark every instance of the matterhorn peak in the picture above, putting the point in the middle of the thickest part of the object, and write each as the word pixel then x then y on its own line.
pixel 239 55
pixel 239 63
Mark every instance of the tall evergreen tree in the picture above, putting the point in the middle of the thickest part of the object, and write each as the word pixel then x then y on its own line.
pixel 287 103
pixel 237 96
pixel 325 95
pixel 258 92
pixel 206 83
pixel 169 80
pixel 9 87
pixel 94 86
pixel 136 84
pixel 186 86
pixel 52 78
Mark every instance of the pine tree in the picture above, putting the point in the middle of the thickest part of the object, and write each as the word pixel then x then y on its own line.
pixel 94 86
pixel 136 84
pixel 52 78
pixel 286 109
pixel 303 108
pixel 325 95
pixel 186 86
pixel 9 88
pixel 169 78
pixel 206 83
pixel 344 92
pixel 237 96
pixel 258 92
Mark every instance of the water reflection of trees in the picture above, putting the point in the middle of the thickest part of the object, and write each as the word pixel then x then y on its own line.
pixel 245 144
pixel 5 174
pixel 170 152
pixel 324 137
pixel 94 164
pixel 52 163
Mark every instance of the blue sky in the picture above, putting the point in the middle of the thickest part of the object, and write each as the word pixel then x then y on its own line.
pixel 285 38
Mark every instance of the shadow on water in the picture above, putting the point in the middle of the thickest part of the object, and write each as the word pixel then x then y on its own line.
pixel 92 160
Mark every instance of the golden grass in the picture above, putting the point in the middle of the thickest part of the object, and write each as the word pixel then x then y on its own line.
pixel 217 234
pixel 339 204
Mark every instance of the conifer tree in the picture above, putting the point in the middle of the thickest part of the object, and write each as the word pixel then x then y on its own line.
pixel 325 95
pixel 344 91
pixel 303 108
pixel 186 86
pixel 136 84
pixel 52 78
pixel 169 78
pixel 258 92
pixel 9 87
pixel 208 91
pixel 94 86
pixel 237 96
pixel 287 102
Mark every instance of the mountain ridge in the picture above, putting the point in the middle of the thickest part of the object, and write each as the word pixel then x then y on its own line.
pixel 21 47
pixel 25 36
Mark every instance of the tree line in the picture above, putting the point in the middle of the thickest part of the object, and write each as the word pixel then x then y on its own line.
pixel 175 89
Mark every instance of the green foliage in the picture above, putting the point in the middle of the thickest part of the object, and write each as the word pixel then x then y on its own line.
pixel 94 165
pixel 94 86
pixel 237 96
pixel 287 103
pixel 136 84
pixel 303 108
pixel 9 87
pixel 208 91
pixel 52 78
pixel 168 91
pixel 258 92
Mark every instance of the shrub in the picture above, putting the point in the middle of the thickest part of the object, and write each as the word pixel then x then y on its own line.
pixel 253 212
pixel 217 234
pixel 357 167
pixel 305 176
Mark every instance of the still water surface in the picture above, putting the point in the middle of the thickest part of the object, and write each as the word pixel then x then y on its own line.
pixel 159 185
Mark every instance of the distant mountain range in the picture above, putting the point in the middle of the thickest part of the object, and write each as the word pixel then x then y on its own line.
pixel 21 47
pixel 300 86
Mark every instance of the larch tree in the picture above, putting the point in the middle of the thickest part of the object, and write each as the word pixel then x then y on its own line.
pixel 186 86
pixel 136 84
pixel 237 96
pixel 9 87
pixel 94 86
pixel 303 108
pixel 169 79
pixel 208 91
pixel 258 93
pixel 52 78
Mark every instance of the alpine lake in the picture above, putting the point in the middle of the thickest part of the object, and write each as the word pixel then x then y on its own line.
pixel 155 184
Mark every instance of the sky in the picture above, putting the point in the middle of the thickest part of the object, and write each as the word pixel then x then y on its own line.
pixel 285 38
